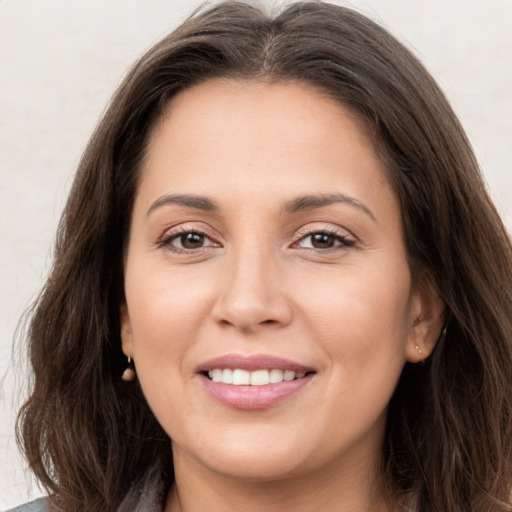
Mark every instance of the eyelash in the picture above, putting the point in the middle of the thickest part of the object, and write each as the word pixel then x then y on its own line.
pixel 167 240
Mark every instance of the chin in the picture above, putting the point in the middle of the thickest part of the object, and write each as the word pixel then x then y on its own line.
pixel 249 457
pixel 257 466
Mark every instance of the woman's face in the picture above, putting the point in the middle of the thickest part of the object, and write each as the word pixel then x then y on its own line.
pixel 270 307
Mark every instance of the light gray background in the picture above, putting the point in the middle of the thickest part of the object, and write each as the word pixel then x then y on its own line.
pixel 60 60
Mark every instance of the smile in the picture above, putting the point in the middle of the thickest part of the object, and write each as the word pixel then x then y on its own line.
pixel 239 377
pixel 253 382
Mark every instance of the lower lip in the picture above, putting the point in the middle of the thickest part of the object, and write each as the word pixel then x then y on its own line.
pixel 251 398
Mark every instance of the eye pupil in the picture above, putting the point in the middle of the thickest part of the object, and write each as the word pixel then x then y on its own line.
pixel 322 240
pixel 191 240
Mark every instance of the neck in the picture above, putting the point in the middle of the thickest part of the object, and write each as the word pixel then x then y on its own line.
pixel 199 490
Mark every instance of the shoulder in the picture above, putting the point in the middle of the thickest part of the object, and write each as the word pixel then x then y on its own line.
pixel 39 505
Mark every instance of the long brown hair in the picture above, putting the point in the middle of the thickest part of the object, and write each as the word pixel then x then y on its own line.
pixel 88 436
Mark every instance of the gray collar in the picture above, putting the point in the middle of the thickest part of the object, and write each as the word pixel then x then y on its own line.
pixel 148 495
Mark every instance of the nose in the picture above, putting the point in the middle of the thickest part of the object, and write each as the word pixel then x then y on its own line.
pixel 251 294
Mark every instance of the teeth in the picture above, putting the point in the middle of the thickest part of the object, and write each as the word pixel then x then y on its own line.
pixel 241 377
pixel 256 378
pixel 260 378
pixel 289 375
pixel 227 376
pixel 275 376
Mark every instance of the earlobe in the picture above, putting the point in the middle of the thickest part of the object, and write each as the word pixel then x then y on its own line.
pixel 125 330
pixel 427 319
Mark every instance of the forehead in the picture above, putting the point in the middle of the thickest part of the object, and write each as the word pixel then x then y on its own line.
pixel 257 104
pixel 286 137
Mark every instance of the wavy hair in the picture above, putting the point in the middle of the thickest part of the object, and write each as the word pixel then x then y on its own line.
pixel 89 436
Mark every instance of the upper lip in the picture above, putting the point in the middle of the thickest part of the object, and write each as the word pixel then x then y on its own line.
pixel 252 363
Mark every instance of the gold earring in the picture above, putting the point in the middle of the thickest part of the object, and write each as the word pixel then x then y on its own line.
pixel 419 350
pixel 129 373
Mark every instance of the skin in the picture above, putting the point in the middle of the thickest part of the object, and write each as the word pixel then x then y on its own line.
pixel 257 282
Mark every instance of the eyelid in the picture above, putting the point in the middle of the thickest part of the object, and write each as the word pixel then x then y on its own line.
pixel 324 227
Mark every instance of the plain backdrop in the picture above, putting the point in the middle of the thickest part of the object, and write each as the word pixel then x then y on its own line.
pixel 60 60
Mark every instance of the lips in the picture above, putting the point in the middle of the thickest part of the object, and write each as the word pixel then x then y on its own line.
pixel 252 363
pixel 253 382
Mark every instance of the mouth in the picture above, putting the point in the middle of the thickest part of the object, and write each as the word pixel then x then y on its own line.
pixel 253 382
pixel 240 377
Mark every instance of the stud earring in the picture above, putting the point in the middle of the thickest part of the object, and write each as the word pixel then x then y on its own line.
pixel 419 350
pixel 129 373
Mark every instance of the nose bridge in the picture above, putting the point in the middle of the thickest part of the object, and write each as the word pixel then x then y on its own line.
pixel 250 294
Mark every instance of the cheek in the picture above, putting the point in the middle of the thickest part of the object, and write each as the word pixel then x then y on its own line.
pixel 365 337
pixel 165 309
pixel 361 316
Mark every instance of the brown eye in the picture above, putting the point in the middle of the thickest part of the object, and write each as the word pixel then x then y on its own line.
pixel 322 240
pixel 191 240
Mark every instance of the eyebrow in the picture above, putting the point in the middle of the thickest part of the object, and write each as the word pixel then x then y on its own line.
pixel 188 200
pixel 299 204
pixel 310 202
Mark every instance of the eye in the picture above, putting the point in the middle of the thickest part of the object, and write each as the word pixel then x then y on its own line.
pixel 323 240
pixel 187 241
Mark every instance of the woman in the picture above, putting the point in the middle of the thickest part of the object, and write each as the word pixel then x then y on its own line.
pixel 279 284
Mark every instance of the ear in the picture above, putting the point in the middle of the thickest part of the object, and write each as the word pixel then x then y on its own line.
pixel 426 320
pixel 125 330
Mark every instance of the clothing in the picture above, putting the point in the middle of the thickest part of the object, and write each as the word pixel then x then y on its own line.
pixel 39 505
pixel 148 496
